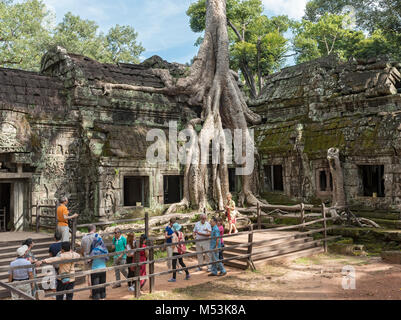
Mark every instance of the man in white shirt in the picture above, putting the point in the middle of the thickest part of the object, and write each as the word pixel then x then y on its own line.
pixel 202 231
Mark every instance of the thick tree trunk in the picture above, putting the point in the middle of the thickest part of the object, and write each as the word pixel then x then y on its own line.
pixel 333 155
pixel 212 85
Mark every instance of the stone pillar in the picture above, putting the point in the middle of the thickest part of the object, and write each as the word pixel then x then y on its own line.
pixel 20 205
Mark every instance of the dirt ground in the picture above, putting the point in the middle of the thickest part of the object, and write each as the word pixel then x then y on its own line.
pixel 318 278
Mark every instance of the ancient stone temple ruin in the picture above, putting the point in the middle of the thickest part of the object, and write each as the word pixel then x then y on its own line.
pixel 62 133
pixel 354 106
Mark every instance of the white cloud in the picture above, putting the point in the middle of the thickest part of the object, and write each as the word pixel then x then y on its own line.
pixel 293 8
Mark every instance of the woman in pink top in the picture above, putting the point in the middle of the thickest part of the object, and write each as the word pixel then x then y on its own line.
pixel 221 228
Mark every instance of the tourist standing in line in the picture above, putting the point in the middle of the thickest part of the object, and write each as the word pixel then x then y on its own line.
pixel 168 235
pixel 55 247
pixel 66 279
pixel 86 245
pixel 178 250
pixel 220 225
pixel 143 257
pixel 131 245
pixel 30 256
pixel 215 243
pixel 62 219
pixel 98 248
pixel 54 250
pixel 202 231
pixel 24 274
pixel 119 245
pixel 231 214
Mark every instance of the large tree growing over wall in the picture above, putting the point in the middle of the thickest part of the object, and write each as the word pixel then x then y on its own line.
pixel 211 85
pixel 258 46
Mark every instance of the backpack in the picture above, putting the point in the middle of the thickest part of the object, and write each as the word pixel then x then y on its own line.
pixel 182 249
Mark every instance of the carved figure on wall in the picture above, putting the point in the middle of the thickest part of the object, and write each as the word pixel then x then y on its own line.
pixel 109 198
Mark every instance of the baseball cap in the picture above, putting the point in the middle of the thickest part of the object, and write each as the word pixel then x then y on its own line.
pixel 22 250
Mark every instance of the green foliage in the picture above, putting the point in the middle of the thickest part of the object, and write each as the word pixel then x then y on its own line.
pixel 122 45
pixel 26 33
pixel 381 20
pixel 82 37
pixel 330 35
pixel 23 33
pixel 257 43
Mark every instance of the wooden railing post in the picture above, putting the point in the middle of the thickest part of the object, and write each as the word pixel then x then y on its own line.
pixel 302 228
pixel 37 216
pixel 250 247
pixel 136 272
pixel 151 267
pixel 324 226
pixel 259 214
pixel 74 233
pixel 147 224
pixel 55 215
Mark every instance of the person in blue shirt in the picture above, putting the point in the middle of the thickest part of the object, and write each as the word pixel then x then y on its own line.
pixel 98 248
pixel 168 235
pixel 215 243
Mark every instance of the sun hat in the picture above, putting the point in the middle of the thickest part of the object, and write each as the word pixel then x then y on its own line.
pixel 22 250
pixel 176 226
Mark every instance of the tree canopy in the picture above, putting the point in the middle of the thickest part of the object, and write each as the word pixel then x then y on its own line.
pixel 258 46
pixel 378 21
pixel 27 31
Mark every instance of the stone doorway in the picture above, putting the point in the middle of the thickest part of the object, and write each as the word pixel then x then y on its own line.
pixel 173 189
pixel 5 202
pixel 136 191
pixel 274 180
pixel 14 197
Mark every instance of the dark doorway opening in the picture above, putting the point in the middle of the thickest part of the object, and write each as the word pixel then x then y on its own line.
pixel 173 189
pixel 274 178
pixel 372 180
pixel 136 190
pixel 323 180
pixel 232 179
pixel 5 202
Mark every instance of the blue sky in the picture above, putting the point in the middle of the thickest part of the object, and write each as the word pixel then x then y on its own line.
pixel 162 25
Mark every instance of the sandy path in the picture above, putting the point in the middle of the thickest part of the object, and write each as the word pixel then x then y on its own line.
pixel 315 278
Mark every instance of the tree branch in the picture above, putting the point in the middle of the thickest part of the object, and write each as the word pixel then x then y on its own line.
pixel 235 30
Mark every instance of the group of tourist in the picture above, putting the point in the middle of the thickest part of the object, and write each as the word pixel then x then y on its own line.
pixel 208 236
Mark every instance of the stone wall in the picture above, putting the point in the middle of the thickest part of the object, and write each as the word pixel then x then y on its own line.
pixel 354 106
pixel 74 139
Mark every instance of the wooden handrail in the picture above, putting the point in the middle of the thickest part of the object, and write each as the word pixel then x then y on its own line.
pixel 151 261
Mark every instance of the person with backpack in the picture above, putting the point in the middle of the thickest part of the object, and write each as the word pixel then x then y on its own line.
pixel 98 248
pixel 178 250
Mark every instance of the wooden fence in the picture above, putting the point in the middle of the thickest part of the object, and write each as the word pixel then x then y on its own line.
pixel 45 215
pixel 151 261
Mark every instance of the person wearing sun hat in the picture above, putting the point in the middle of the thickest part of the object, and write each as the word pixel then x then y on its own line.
pixel 178 250
pixel 23 274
